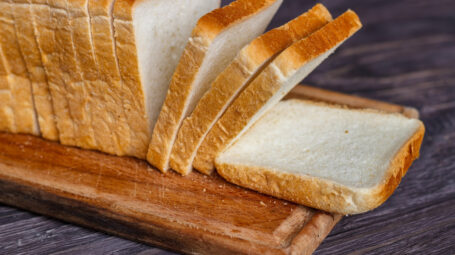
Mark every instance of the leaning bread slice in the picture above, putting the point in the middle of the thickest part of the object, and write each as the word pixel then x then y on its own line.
pixel 20 86
pixel 215 41
pixel 150 36
pixel 332 158
pixel 246 65
pixel 26 37
pixel 272 84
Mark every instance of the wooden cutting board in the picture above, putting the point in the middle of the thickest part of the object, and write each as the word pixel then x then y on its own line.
pixel 126 197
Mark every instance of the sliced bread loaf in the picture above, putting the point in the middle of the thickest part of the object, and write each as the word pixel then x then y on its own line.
pixel 328 157
pixel 272 84
pixel 150 36
pixel 24 20
pixel 215 41
pixel 20 86
pixel 246 65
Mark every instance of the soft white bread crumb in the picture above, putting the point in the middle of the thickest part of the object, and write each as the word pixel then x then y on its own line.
pixel 346 156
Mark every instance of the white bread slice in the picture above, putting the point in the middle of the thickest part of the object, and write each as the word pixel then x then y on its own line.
pixel 272 84
pixel 150 35
pixel 215 41
pixel 7 122
pixel 102 33
pixel 53 35
pixel 25 32
pixel 328 157
pixel 243 69
pixel 21 89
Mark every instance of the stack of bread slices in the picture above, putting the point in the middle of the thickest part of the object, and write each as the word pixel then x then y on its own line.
pixel 188 85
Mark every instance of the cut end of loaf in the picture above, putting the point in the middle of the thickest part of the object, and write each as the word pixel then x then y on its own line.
pixel 321 11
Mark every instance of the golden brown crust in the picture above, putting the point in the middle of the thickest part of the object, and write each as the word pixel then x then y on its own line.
pixel 123 10
pixel 133 94
pixel 324 194
pixel 21 89
pixel 104 50
pixel 7 122
pixel 30 51
pixel 340 29
pixel 267 84
pixel 92 130
pixel 174 105
pixel 234 77
pixel 100 8
pixel 218 20
pixel 176 102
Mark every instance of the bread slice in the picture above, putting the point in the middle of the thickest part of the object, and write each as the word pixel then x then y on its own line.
pixel 7 122
pixel 215 41
pixel 150 35
pixel 53 36
pixel 21 90
pixel 272 84
pixel 24 20
pixel 246 65
pixel 328 157
pixel 111 103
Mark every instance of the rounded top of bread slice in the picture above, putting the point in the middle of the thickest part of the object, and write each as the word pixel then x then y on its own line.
pixel 218 20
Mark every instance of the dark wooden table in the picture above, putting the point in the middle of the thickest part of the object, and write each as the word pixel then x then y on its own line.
pixel 405 54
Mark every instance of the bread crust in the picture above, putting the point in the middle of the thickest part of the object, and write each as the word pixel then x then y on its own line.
pixel 176 103
pixel 20 86
pixel 64 77
pixel 6 102
pixel 32 57
pixel 321 193
pixel 268 83
pixel 94 133
pixel 127 59
pixel 109 75
pixel 237 75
